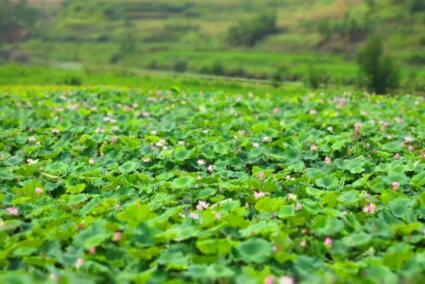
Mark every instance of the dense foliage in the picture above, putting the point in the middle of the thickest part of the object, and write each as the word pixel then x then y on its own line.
pixel 249 32
pixel 15 13
pixel 174 187
pixel 379 70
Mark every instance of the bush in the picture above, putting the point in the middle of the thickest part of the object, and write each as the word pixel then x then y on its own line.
pixel 217 68
pixel 180 66
pixel 248 33
pixel 276 79
pixel 73 80
pixel 378 69
pixel 317 77
pixel 352 28
pixel 417 6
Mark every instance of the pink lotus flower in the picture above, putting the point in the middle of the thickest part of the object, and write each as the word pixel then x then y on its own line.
pixel 299 206
pixel 32 139
pixel 39 190
pixel 117 237
pixel 357 127
pixel 31 161
pixel 341 102
pixel 194 216
pixel 395 185
pixel 409 139
pixel 79 263
pixel 269 279
pixel 313 112
pixel 200 162
pixel 100 130
pixel 218 216
pixel 202 205
pixel 313 147
pixel 161 143
pixel 286 280
pixel 262 176
pixel 92 250
pixel 397 156
pixel 328 242
pixel 328 160
pixel 13 211
pixel 292 196
pixel 211 168
pixel 259 194
pixel 55 277
pixel 266 139
pixel 276 110
pixel 370 208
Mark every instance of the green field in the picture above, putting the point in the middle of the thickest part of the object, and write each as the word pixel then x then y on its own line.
pixel 192 36
pixel 209 182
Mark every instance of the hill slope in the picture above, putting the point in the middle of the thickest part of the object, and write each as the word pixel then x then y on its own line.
pixel 193 35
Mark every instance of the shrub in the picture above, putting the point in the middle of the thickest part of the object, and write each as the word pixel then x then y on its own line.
pixel 249 32
pixel 378 69
pixel 72 80
pixel 180 66
pixel 417 6
pixel 276 79
pixel 316 77
pixel 352 28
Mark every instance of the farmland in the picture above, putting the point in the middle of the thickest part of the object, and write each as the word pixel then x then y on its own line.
pixel 239 185
pixel 193 36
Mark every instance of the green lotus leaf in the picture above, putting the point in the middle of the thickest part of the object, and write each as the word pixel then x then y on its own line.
pixel 128 167
pixel 183 182
pixel 255 250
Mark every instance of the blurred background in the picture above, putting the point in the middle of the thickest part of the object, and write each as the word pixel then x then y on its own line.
pixel 316 41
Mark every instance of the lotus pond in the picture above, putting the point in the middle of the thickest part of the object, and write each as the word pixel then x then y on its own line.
pixel 126 186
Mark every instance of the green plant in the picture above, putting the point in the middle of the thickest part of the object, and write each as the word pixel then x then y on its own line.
pixel 276 78
pixel 379 70
pixel 249 32
pixel 73 80
pixel 317 77
pixel 180 65
pixel 220 185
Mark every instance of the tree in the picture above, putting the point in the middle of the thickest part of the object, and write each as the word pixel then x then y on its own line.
pixel 15 14
pixel 377 68
pixel 248 33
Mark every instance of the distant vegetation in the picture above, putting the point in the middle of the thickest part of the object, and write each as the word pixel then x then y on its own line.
pixel 379 70
pixel 16 17
pixel 249 32
pixel 251 39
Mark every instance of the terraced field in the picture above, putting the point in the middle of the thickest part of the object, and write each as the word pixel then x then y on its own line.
pixel 123 186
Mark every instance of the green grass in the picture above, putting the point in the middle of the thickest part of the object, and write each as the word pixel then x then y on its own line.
pixel 166 32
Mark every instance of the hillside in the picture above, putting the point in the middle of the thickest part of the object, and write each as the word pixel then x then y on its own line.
pixel 189 35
